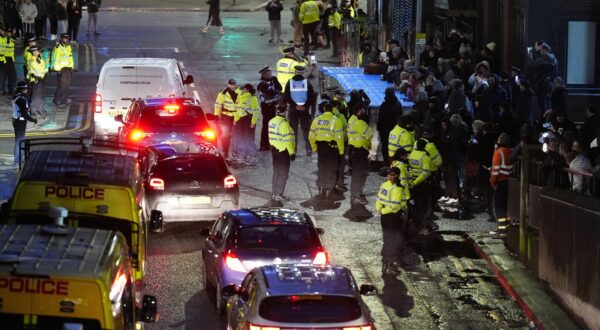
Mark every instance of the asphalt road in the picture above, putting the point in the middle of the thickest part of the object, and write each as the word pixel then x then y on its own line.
pixel 448 288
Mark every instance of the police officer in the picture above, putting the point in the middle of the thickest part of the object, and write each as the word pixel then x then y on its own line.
pixel 21 115
pixel 283 148
pixel 300 98
pixel 2 60
pixel 63 63
pixel 400 160
pixel 426 134
pixel 340 109
pixel 499 175
pixel 245 119
pixel 9 62
pixel 269 91
pixel 31 42
pixel 327 139
pixel 420 169
pixel 225 109
pixel 35 76
pixel 310 15
pixel 285 66
pixel 359 140
pixel 401 136
pixel 391 206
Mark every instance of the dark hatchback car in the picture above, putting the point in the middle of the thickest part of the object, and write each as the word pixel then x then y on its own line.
pixel 165 120
pixel 188 181
pixel 241 240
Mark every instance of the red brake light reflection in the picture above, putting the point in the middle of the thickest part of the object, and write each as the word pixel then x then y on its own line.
pixel 320 258
pixel 207 134
pixel 229 181
pixel 137 135
pixel 172 108
pixel 98 104
pixel 157 184
pixel 233 263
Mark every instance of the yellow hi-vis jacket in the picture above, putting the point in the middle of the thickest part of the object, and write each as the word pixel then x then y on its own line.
pixel 335 20
pixel 224 105
pixel 285 70
pixel 281 135
pixel 390 198
pixel 341 118
pixel 434 154
pixel 327 127
pixel 359 133
pixel 400 137
pixel 36 69
pixel 9 48
pixel 405 178
pixel 62 57
pixel 27 56
pixel 420 166
pixel 3 42
pixel 309 12
pixel 247 104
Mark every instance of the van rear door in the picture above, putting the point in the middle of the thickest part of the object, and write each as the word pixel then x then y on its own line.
pixel 118 88
pixel 155 82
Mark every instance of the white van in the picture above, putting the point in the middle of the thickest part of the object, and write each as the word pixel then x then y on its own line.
pixel 124 79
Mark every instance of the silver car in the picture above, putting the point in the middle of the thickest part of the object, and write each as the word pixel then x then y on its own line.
pixel 298 296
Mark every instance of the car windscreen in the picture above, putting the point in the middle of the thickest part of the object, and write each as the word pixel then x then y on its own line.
pixel 310 309
pixel 277 238
pixel 184 118
pixel 196 167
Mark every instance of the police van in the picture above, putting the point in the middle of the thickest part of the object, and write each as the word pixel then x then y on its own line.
pixel 54 277
pixel 122 80
pixel 99 187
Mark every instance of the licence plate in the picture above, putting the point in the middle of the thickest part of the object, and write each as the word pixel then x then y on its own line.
pixel 195 200
pixel 114 113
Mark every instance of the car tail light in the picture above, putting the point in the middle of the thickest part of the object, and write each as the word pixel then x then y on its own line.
pixel 321 258
pixel 229 181
pixel 207 134
pixel 258 327
pixel 157 184
pixel 137 135
pixel 233 263
pixel 98 103
pixel 172 108
pixel 362 327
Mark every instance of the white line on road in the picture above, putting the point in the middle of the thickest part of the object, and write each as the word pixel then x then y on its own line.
pixel 176 50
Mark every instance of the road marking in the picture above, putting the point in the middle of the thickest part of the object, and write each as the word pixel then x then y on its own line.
pixel 58 132
pixel 176 50
pixel 135 48
pixel 196 95
pixel 87 57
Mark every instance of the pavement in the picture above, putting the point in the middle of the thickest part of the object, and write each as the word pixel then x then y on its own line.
pixel 182 5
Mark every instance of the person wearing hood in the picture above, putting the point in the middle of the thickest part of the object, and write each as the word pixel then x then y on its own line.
pixel 496 94
pixel 300 98
pixel 479 79
pixel 457 99
pixel 359 141
pixel 499 175
pixel 247 110
pixel 389 113
pixel 283 149
pixel 587 133
pixel 559 96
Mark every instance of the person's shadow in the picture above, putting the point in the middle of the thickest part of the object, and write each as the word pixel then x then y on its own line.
pixel 358 213
pixel 395 295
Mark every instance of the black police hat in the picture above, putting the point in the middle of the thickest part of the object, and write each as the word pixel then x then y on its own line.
pixel 65 35
pixel 289 50
pixel 21 85
pixel 266 68
pixel 299 68
pixel 32 39
pixel 231 82
pixel 34 48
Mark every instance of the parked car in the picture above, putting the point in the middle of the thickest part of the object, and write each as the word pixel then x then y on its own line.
pixel 165 120
pixel 188 181
pixel 299 297
pixel 241 240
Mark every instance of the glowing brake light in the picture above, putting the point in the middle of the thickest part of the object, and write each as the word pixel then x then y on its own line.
pixel 320 258
pixel 229 181
pixel 137 135
pixel 157 184
pixel 207 134
pixel 364 327
pixel 233 263
pixel 98 104
pixel 258 327
pixel 171 108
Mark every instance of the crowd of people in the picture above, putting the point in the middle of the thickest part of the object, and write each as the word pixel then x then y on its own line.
pixel 26 18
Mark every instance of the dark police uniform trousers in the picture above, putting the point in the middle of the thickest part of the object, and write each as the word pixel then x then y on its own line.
pixel 360 164
pixel 327 164
pixel 296 117
pixel 393 227
pixel 19 126
pixel 281 169
pixel 62 90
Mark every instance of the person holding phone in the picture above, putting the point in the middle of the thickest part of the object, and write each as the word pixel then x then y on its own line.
pixel 274 9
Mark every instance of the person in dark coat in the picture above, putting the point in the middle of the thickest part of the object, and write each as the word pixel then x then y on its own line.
pixel 10 12
pixel 449 150
pixel 506 121
pixel 559 96
pixel 40 19
pixel 481 109
pixel 527 110
pixel 457 99
pixel 274 9
pixel 496 94
pixel 214 16
pixel 389 113
pixel 587 133
pixel 74 9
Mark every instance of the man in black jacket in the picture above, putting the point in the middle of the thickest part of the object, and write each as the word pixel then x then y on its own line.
pixel 274 9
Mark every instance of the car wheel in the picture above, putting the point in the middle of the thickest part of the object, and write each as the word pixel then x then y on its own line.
pixel 219 303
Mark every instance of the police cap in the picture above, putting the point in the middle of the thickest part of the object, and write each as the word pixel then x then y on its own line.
pixel 265 69
pixel 32 39
pixel 299 68
pixel 289 50
pixel 34 48
pixel 21 85
pixel 231 82
pixel 325 105
pixel 65 35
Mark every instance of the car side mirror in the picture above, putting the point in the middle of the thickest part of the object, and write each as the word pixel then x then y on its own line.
pixel 211 117
pixel 156 220
pixel 320 231
pixel 149 311
pixel 230 291
pixel 188 80
pixel 205 232
pixel 119 118
pixel 368 290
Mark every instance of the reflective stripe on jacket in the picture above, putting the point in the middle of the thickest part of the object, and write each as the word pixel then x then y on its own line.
pixel 247 104
pixel 285 70
pixel 327 127
pixel 335 20
pixel 36 69
pixel 62 57
pixel 434 154
pixel 501 165
pixel 390 198
pixel 420 166
pixel 281 135
pixel 225 105
pixel 400 137
pixel 9 48
pixel 359 133
pixel 309 12
pixel 405 178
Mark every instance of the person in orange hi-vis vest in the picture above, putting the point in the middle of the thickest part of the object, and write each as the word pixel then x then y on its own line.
pixel 499 174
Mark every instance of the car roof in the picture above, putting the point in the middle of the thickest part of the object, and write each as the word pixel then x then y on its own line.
pixel 266 215
pixel 308 279
pixel 185 149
